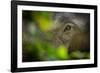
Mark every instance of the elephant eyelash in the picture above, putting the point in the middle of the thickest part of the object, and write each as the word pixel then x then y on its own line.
pixel 67 28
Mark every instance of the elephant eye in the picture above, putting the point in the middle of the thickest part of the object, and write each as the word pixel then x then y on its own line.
pixel 67 28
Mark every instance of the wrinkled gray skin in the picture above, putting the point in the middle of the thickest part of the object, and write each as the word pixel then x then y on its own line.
pixel 73 30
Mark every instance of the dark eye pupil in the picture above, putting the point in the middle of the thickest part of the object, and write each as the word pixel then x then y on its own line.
pixel 68 27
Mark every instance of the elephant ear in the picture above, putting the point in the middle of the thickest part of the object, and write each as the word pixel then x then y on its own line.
pixel 80 42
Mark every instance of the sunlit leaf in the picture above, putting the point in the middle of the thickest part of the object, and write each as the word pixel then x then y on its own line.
pixel 43 20
pixel 62 52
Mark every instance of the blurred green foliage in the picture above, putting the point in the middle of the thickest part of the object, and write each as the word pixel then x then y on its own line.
pixel 43 19
pixel 62 52
pixel 36 48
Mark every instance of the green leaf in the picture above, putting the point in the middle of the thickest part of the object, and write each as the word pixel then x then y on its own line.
pixel 62 52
